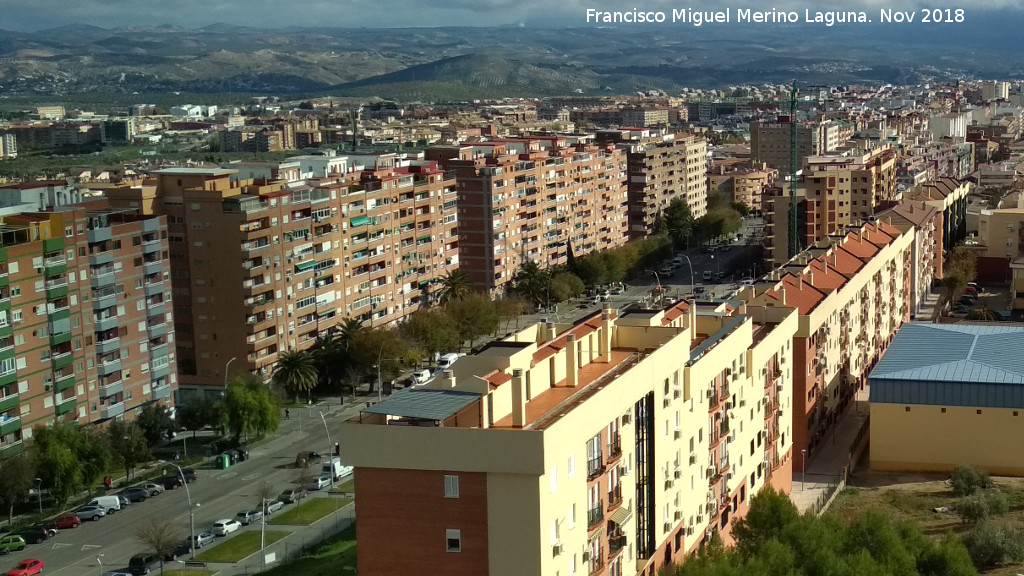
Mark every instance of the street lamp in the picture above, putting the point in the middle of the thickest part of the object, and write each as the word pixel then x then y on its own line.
pixel 330 449
pixel 226 367
pixel 39 493
pixel 803 468
pixel 690 264
pixel 191 510
pixel 99 562
pixel 656 279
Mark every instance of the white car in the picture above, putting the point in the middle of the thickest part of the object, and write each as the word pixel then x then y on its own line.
pixel 225 527
pixel 318 483
pixel 153 489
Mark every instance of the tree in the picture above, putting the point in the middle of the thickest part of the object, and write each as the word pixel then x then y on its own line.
pixel 127 444
pixel 741 208
pixel 68 458
pixel 348 329
pixel 532 283
pixel 455 286
pixel 769 513
pixel 984 314
pixel 510 309
pixel 160 536
pixel 17 476
pixel 678 221
pixel 966 480
pixel 432 330
pixel 296 373
pixel 475 316
pixel 565 285
pixel 156 423
pixel 249 407
pixel 196 413
pixel 990 545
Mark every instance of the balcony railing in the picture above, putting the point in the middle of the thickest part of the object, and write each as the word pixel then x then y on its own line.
pixel 597 562
pixel 615 497
pixel 615 448
pixel 595 516
pixel 595 467
pixel 616 543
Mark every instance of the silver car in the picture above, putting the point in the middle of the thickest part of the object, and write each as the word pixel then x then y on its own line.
pixel 90 512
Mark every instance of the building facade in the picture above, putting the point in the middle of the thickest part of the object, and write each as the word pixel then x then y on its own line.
pixel 614 446
pixel 85 318
pixel 770 142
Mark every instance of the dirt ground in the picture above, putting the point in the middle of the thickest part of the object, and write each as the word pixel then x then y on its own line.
pixel 914 497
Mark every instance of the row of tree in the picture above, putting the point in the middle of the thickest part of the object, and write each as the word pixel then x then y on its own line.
pixel 722 219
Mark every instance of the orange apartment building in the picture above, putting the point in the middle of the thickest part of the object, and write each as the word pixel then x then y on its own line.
pixel 528 199
pixel 662 166
pixel 614 446
pixel 261 267
pixel 85 318
pixel 851 294
pixel 742 182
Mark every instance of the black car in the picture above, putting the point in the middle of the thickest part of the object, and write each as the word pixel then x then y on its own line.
pixel 190 475
pixel 180 551
pixel 35 534
pixel 171 482
pixel 144 563
pixel 135 494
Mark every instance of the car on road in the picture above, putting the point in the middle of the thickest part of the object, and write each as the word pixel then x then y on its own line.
pixel 91 512
pixel 29 567
pixel 698 290
pixel 272 506
pixel 421 376
pixel 292 495
pixel 204 538
pixel 144 563
pixel 65 521
pixel 171 482
pixel 247 517
pixel 318 483
pixel 153 489
pixel 182 550
pixel 707 275
pixel 35 534
pixel 11 543
pixel 225 527
pixel 137 494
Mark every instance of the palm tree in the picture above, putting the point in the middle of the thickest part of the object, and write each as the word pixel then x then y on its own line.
pixel 455 286
pixel 984 314
pixel 331 356
pixel 347 331
pixel 532 283
pixel 296 372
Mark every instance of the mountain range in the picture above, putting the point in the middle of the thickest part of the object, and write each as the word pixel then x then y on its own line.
pixel 412 64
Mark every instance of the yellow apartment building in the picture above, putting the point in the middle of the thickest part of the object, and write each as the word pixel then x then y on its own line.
pixel 614 446
pixel 949 394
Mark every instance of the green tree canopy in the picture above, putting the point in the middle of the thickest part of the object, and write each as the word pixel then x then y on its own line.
pixel 17 476
pixel 296 372
pixel 127 444
pixel 156 423
pixel 475 315
pixel 69 458
pixel 432 330
pixel 249 407
pixel 196 413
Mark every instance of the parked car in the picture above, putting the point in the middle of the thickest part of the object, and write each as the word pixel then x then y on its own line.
pixel 137 494
pixel 124 500
pixel 29 567
pixel 225 527
pixel 143 563
pixel 318 483
pixel 707 275
pixel 34 534
pixel 171 482
pixel 153 489
pixel 110 504
pixel 91 512
pixel 272 506
pixel 204 538
pixel 182 550
pixel 305 458
pixel 292 495
pixel 65 521
pixel 247 517
pixel 191 475
pixel 11 543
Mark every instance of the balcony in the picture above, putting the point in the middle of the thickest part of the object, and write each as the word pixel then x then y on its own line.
pixel 102 324
pixel 64 382
pixel 109 367
pixel 9 425
pixel 104 298
pixel 155 267
pixel 157 329
pixel 595 516
pixel 154 287
pixel 55 265
pixel 112 411
pixel 115 387
pixel 66 406
pixel 58 338
pixel 99 234
pixel 595 467
pixel 614 497
pixel 62 360
pixel 156 309
pixel 158 371
pixel 102 277
pixel 56 288
pixel 616 544
pixel 150 246
pixel 614 449
pixel 9 402
pixel 162 392
pixel 107 346
pixel 12 449
pixel 101 258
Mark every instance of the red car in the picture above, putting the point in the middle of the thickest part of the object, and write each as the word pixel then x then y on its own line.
pixel 67 521
pixel 27 568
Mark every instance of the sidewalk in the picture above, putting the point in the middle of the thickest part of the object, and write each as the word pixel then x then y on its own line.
pixel 822 475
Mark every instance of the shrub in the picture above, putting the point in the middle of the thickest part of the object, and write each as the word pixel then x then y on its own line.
pixel 975 508
pixel 966 480
pixel 990 545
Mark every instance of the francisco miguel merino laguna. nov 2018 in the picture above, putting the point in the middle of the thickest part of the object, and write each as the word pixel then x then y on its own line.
pixel 749 16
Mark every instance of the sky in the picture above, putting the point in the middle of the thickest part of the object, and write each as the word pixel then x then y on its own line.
pixel 31 15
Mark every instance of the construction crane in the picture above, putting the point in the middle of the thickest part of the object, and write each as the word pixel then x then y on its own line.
pixel 792 101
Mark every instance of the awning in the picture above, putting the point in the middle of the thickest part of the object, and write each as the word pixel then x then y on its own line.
pixel 303 266
pixel 359 221
pixel 621 515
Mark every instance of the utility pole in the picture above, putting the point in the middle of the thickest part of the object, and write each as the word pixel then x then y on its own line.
pixel 794 247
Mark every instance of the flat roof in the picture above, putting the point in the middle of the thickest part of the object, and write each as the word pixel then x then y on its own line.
pixel 424 404
pixel 196 171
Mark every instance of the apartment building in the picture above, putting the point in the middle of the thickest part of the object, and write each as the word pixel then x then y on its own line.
pixel 852 295
pixel 770 142
pixel 926 258
pixel 613 446
pixel 261 267
pixel 532 199
pixel 949 196
pixel 995 90
pixel 1001 233
pixel 85 318
pixel 8 146
pixel 118 130
pixel 662 166
pixel 942 392
pixel 742 182
pixel 642 116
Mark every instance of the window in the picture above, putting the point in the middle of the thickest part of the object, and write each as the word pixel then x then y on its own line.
pixel 451 486
pixel 453 540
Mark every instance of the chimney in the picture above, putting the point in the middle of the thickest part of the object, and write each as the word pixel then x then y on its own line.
pixel 782 295
pixel 810 277
pixel 604 342
pixel 485 410
pixel 448 379
pixel 800 282
pixel 693 315
pixel 571 366
pixel 542 331
pixel 518 399
pixel 551 331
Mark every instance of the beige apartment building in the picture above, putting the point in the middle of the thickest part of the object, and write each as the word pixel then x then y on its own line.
pixel 926 258
pixel 1001 233
pixel 613 446
pixel 851 294
pixel 532 199
pixel 770 142
pixel 261 267
pixel 85 318
pixel 742 183
pixel 662 166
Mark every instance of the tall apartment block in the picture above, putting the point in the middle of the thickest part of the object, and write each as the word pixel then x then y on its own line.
pixel 8 146
pixel 770 142
pixel 662 166
pixel 85 318
pixel 262 267
pixel 613 446
pixel 744 183
pixel 534 199
pixel 851 295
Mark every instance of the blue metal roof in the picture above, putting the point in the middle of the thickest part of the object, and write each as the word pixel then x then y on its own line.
pixel 424 404
pixel 952 365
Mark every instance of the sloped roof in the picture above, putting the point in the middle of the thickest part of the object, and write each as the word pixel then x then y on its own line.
pixel 424 404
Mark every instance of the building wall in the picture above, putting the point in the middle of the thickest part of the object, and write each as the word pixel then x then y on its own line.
pixel 1001 233
pixel 925 438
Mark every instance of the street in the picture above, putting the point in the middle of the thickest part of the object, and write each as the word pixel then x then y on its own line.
pixel 108 544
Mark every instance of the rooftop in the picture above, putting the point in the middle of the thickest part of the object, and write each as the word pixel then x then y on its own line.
pixel 955 353
pixel 196 171
pixel 436 405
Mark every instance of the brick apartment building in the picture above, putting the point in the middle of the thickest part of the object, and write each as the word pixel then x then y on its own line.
pixel 528 199
pixel 770 142
pixel 85 318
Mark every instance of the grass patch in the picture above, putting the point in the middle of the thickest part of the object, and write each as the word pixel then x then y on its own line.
pixel 310 511
pixel 348 487
pixel 328 559
pixel 239 547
